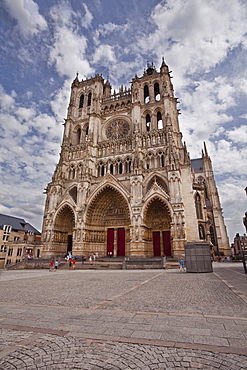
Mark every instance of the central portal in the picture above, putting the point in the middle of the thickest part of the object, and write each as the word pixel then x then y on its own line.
pixel 108 215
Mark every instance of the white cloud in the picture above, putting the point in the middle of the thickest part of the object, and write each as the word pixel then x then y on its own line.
pixel 60 100
pixel 244 116
pixel 195 35
pixel 24 114
pixel 6 100
pixel 105 55
pixel 88 17
pixel 69 47
pixel 228 158
pixel 238 134
pixel 30 143
pixel 107 29
pixel 243 84
pixel 233 201
pixel 26 13
pixel 204 109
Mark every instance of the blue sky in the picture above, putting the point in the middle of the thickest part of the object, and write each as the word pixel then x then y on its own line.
pixel 45 42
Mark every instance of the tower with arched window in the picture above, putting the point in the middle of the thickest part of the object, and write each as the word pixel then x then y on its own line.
pixel 125 184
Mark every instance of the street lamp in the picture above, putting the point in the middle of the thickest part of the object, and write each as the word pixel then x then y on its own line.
pixel 241 246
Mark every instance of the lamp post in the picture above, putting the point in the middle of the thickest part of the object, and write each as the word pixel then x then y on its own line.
pixel 241 246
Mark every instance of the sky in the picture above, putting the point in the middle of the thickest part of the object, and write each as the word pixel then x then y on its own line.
pixel 44 43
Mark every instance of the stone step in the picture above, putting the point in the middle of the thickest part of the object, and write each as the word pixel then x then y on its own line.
pixel 93 266
pixel 101 264
pixel 116 265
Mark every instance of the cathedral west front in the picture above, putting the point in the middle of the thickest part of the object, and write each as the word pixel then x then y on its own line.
pixel 125 184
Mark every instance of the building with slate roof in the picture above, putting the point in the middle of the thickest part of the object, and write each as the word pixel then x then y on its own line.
pixel 125 184
pixel 19 240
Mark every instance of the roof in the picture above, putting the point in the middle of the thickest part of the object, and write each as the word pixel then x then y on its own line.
pixel 16 223
pixel 197 164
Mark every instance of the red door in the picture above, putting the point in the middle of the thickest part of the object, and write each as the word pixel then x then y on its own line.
pixel 121 242
pixel 156 243
pixel 167 243
pixel 69 244
pixel 110 242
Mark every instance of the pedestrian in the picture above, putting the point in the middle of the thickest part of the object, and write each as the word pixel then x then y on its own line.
pixel 181 264
pixel 82 259
pixel 56 265
pixel 73 264
pixel 70 264
pixel 51 265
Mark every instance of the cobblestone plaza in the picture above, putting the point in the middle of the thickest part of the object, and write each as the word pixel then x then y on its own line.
pixel 124 319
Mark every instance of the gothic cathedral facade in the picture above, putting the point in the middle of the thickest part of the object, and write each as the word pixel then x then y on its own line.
pixel 125 184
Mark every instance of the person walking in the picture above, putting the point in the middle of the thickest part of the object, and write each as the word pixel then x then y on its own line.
pixel 70 264
pixel 51 265
pixel 73 264
pixel 56 265
pixel 181 264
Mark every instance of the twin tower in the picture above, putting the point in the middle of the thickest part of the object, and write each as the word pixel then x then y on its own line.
pixel 125 184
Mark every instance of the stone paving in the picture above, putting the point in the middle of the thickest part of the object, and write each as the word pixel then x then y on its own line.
pixel 134 319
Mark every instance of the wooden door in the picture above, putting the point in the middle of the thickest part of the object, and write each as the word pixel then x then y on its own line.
pixel 110 242
pixel 69 244
pixel 121 242
pixel 156 243
pixel 167 243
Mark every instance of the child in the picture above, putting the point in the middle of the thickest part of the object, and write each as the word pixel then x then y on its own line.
pixel 56 265
pixel 181 264
pixel 52 265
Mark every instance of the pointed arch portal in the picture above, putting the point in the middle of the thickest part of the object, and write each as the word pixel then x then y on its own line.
pixel 108 223
pixel 158 222
pixel 63 229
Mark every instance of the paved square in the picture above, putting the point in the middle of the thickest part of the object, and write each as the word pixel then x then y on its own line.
pixel 124 319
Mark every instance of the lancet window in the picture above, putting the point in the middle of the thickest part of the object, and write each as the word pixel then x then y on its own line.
pixel 111 169
pixel 212 235
pixel 81 101
pixel 159 121
pixel 146 94
pixel 156 91
pixel 101 169
pixel 78 136
pixel 89 99
pixel 148 122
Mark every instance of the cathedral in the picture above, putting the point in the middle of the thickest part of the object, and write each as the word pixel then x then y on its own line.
pixel 125 184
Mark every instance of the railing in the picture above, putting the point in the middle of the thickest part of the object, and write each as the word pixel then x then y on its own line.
pixel 118 96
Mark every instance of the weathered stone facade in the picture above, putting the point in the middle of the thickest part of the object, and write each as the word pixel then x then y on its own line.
pixel 124 184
